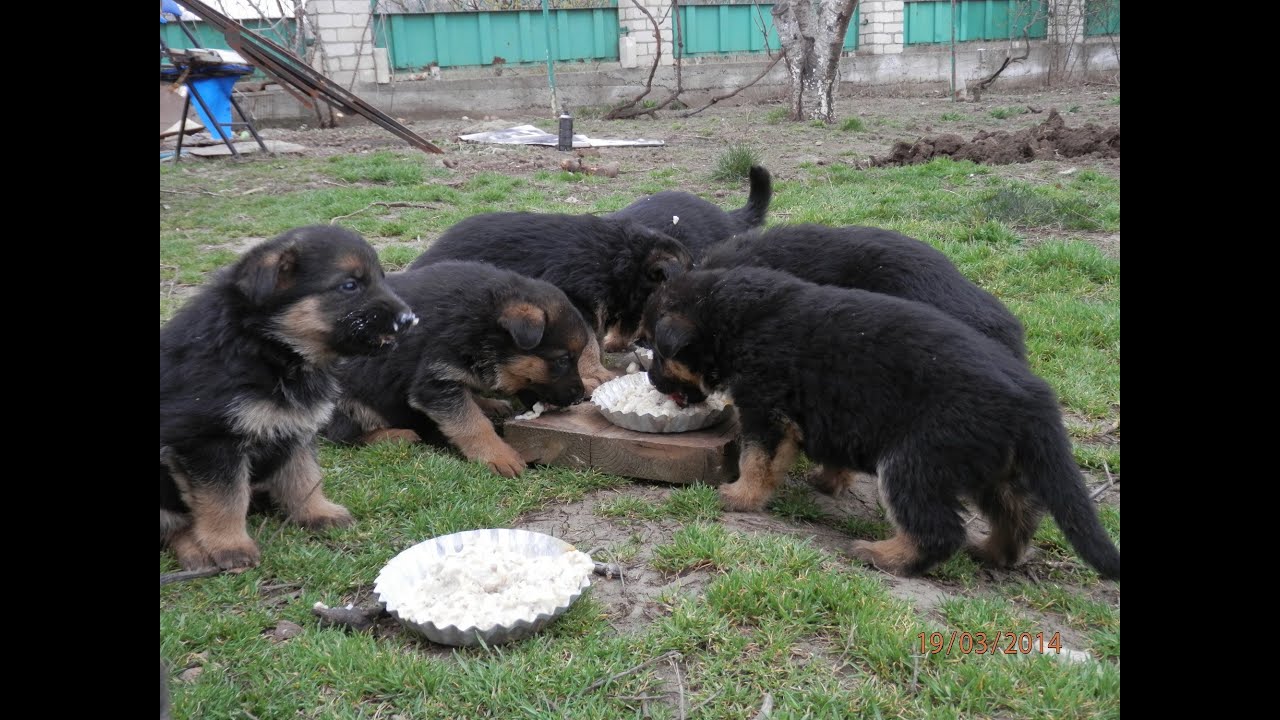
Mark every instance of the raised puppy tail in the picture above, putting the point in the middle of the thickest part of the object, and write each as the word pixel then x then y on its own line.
pixel 1050 471
pixel 752 214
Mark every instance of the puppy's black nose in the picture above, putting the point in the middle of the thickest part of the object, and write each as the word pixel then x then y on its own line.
pixel 404 320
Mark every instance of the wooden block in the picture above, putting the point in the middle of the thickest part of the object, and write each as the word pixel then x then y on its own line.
pixel 581 437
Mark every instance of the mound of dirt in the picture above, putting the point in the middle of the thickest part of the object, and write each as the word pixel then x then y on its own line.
pixel 1049 140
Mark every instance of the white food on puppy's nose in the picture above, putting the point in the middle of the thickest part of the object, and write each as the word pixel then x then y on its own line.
pixel 675 219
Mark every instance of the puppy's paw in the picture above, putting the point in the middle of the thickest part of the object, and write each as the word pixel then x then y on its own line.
pixel 495 408
pixel 390 435
pixel 190 555
pixel 237 555
pixel 504 460
pixel 325 514
pixel 743 497
pixel 883 555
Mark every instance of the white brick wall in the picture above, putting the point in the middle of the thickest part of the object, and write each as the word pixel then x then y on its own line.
pixel 339 49
pixel 352 7
pixel 881 30
pixel 352 34
pixel 333 20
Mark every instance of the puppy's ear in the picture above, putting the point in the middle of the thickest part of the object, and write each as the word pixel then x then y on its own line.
pixel 672 334
pixel 525 322
pixel 265 272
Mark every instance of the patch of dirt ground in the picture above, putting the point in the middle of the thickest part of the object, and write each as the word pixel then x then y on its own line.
pixel 1049 140
pixel 637 598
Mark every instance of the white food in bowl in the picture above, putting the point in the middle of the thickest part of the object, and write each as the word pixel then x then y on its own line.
pixel 483 585
pixel 632 402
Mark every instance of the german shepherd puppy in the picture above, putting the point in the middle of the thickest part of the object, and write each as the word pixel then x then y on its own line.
pixel 247 378
pixel 699 224
pixel 484 330
pixel 606 267
pixel 882 385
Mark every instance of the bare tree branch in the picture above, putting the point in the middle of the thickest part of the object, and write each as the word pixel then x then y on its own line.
pixel 728 95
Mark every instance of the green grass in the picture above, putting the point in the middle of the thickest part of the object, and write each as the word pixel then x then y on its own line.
pixel 1004 113
pixel 791 616
pixel 735 163
pixel 951 117
pixel 853 124
pixel 1115 100
pixel 777 115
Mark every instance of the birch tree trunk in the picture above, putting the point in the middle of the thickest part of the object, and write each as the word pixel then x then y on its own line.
pixel 812 34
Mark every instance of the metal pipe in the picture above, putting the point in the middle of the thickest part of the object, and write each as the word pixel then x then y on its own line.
pixel 953 50
pixel 551 67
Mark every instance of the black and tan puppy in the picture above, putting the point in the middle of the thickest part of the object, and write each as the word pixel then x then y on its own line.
pixel 878 384
pixel 878 260
pixel 699 224
pixel 247 379
pixel 606 267
pixel 483 329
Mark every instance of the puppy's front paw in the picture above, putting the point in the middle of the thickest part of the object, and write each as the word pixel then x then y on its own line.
pixel 390 435
pixel 883 555
pixel 325 514
pixel 236 554
pixel 495 408
pixel 504 460
pixel 743 497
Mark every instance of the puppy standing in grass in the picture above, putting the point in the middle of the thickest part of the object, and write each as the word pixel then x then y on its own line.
pixel 607 268
pixel 484 329
pixel 247 379
pixel 869 382
pixel 878 260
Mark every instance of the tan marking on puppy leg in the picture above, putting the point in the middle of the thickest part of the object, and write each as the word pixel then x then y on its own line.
pixel 894 555
pixel 296 486
pixel 390 435
pixel 593 373
pixel 759 474
pixel 189 553
pixel 218 528
pixel 472 433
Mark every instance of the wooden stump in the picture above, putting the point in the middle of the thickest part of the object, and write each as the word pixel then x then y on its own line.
pixel 581 438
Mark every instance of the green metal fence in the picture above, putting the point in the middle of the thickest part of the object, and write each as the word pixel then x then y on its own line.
pixel 416 40
pixel 721 29
pixel 1102 17
pixel 930 22
pixel 281 32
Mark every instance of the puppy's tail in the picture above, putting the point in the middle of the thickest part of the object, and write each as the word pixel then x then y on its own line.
pixel 1050 471
pixel 752 214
